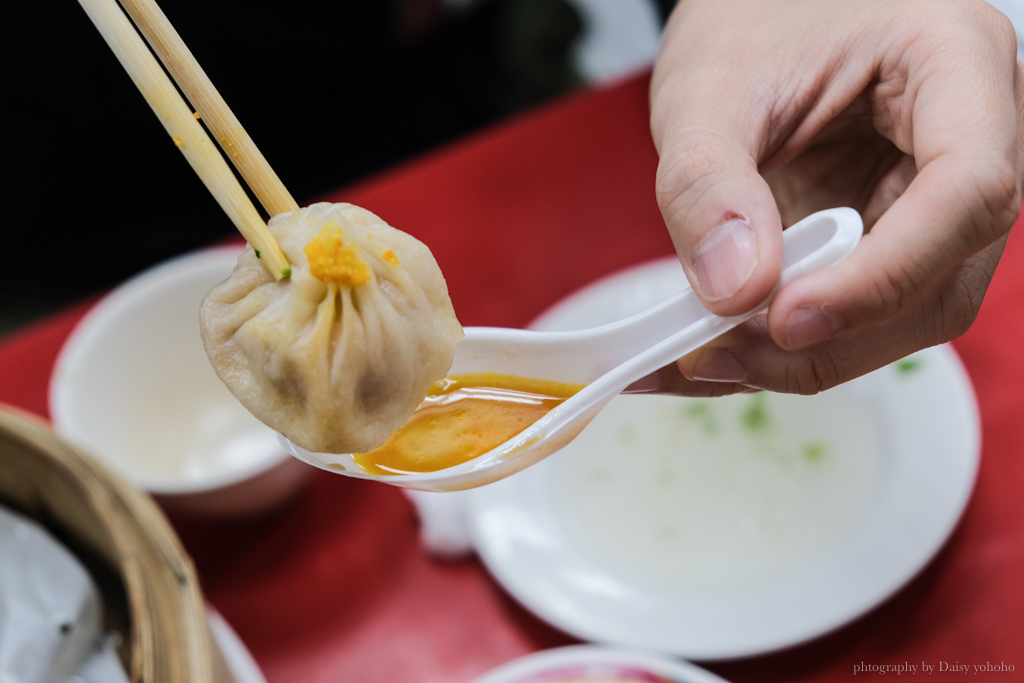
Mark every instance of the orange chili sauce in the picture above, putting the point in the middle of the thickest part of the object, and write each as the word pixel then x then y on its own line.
pixel 462 417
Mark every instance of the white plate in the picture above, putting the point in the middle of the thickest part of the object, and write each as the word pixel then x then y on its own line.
pixel 745 524
pixel 588 663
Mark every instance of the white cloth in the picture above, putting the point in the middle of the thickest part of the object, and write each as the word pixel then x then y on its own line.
pixel 50 611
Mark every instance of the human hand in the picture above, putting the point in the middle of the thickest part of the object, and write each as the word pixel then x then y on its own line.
pixel 764 111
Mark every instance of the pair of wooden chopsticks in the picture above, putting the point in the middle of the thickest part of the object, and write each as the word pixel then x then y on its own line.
pixel 182 122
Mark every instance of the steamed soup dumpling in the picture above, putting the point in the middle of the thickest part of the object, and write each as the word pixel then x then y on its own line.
pixel 337 356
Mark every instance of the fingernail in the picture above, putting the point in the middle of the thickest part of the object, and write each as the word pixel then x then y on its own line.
pixel 645 385
pixel 725 260
pixel 718 365
pixel 809 326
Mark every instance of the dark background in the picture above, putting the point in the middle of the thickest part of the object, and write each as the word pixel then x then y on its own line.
pixel 331 92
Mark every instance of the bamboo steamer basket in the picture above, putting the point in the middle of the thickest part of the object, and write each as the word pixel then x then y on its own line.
pixel 126 538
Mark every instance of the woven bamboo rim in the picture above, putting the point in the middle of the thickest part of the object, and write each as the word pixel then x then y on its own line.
pixel 168 637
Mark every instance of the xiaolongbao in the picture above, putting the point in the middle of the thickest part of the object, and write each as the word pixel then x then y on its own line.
pixel 337 356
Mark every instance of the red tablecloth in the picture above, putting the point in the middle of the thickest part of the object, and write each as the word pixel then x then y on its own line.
pixel 335 587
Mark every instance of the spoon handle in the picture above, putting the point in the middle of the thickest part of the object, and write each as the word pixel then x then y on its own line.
pixel 621 352
pixel 656 337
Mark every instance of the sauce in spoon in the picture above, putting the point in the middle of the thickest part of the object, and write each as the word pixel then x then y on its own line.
pixel 462 417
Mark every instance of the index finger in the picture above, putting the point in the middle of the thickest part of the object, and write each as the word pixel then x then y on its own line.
pixel 962 127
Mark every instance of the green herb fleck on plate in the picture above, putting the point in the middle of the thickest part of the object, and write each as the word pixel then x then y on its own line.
pixel 814 451
pixel 755 418
pixel 907 365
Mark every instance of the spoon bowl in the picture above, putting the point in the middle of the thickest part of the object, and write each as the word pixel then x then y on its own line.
pixel 605 359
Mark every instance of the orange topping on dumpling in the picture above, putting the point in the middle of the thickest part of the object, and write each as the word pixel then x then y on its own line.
pixel 390 257
pixel 331 260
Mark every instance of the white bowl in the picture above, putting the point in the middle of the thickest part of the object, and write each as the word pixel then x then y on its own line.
pixel 132 385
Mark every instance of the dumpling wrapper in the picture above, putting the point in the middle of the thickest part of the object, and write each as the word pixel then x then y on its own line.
pixel 334 368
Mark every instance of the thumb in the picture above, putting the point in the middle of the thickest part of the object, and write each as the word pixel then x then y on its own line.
pixel 720 214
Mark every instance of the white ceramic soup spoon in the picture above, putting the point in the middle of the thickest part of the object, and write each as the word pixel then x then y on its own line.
pixel 605 359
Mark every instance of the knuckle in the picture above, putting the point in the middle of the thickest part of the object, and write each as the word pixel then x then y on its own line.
pixel 893 289
pixel 952 308
pixel 1002 197
pixel 978 20
pixel 960 302
pixel 812 373
pixel 998 27
pixel 682 170
pixel 998 186
pixel 957 320
pixel 991 201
